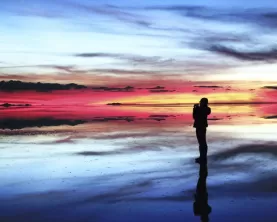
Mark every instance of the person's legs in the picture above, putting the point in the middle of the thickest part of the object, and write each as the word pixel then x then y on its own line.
pixel 198 136
pixel 203 143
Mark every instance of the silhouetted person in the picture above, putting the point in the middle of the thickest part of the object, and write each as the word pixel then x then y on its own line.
pixel 200 115
pixel 200 206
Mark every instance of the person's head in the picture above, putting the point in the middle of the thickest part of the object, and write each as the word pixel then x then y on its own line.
pixel 204 102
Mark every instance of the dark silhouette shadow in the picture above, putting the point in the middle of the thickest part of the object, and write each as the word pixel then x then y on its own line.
pixel 200 206
pixel 200 116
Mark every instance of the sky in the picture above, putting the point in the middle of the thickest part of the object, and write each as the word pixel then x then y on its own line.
pixel 116 43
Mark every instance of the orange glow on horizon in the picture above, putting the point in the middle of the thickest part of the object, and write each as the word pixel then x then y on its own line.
pixel 187 98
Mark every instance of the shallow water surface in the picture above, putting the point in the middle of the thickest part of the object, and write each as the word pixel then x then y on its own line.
pixel 136 164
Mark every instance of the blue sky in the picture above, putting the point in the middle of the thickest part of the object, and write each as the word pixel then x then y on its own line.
pixel 218 40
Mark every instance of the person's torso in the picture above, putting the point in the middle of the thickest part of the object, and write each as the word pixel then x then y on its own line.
pixel 201 119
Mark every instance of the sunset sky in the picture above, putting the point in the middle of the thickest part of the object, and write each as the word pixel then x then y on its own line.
pixel 174 44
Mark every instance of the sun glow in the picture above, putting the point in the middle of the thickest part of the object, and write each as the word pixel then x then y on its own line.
pixel 188 98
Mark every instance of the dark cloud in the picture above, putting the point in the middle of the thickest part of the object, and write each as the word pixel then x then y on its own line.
pixel 14 124
pixel 66 140
pixel 223 37
pixel 157 87
pixel 134 59
pixel 59 9
pixel 66 68
pixel 15 105
pixel 140 66
pixel 261 17
pixel 266 55
pixel 126 71
pixel 121 193
pixel 110 11
pixel 158 65
pixel 128 150
pixel 92 55
pixel 161 91
pixel 208 86
pixel 113 118
pixel 122 135
pixel 114 89
pixel 163 116
pixel 243 47
pixel 43 195
pixel 270 148
pixel 270 117
pixel 97 153
pixel 270 87
pixel 177 8
pixel 228 43
pixel 45 87
pixel 160 117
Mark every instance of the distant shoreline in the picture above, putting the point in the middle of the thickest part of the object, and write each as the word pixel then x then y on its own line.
pixel 15 105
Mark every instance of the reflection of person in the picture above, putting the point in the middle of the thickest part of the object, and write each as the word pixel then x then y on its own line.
pixel 200 114
pixel 200 206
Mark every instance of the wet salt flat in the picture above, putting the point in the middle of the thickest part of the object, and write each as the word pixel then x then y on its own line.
pixel 140 168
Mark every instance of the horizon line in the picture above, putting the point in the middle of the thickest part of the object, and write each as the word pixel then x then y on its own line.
pixel 180 104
